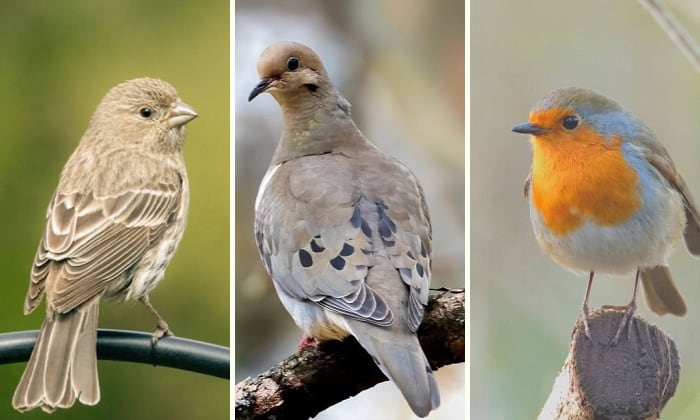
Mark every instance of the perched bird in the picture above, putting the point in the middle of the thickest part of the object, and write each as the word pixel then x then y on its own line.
pixel 605 196
pixel 112 226
pixel 343 228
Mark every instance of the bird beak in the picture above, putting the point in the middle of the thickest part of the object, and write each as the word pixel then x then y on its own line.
pixel 262 86
pixel 530 128
pixel 180 115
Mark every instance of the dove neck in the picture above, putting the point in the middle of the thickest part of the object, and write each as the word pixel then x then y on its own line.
pixel 323 128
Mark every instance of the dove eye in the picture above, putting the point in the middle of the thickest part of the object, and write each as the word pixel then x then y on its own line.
pixel 292 63
pixel 570 122
pixel 146 112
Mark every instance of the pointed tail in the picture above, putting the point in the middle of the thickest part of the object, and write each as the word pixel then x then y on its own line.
pixel 63 365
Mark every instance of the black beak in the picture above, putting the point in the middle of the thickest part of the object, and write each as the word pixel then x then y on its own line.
pixel 529 128
pixel 261 87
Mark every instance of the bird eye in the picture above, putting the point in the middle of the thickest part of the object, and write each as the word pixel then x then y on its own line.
pixel 146 112
pixel 570 122
pixel 292 63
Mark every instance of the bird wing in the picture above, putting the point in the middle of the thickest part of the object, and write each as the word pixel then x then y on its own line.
pixel 660 160
pixel 526 187
pixel 97 239
pixel 320 229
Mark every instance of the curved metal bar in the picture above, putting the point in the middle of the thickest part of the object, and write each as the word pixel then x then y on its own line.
pixel 134 346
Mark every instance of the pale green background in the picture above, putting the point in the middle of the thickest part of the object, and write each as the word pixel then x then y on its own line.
pixel 524 305
pixel 58 61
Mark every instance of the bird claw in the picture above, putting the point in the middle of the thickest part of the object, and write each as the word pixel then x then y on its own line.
pixel 584 318
pixel 161 331
pixel 629 311
pixel 307 341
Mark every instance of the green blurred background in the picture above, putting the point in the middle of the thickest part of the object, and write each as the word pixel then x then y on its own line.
pixel 401 65
pixel 524 305
pixel 58 61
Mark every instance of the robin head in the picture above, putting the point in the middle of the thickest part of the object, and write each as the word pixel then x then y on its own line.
pixel 586 159
pixel 580 115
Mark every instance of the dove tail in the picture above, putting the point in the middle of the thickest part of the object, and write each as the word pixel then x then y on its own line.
pixel 63 364
pixel 405 364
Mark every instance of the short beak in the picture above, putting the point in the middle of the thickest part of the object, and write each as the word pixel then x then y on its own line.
pixel 261 87
pixel 180 115
pixel 529 128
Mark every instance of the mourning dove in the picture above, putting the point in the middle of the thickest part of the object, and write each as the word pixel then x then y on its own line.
pixel 343 228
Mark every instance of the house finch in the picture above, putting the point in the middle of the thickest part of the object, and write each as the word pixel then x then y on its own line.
pixel 112 226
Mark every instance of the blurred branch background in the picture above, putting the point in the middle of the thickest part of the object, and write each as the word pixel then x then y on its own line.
pixel 58 61
pixel 401 65
pixel 520 51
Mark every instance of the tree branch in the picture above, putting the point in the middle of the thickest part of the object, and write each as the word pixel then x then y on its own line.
pixel 632 380
pixel 674 30
pixel 306 383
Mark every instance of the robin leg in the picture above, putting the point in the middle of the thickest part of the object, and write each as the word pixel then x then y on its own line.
pixel 629 311
pixel 584 307
pixel 162 328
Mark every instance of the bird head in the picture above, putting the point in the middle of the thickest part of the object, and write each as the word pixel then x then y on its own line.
pixel 579 115
pixel 289 71
pixel 142 111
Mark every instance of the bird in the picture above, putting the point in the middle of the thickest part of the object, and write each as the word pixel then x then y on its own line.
pixel 605 196
pixel 112 226
pixel 343 228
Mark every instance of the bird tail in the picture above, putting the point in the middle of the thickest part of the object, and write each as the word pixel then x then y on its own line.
pixel 404 362
pixel 661 292
pixel 63 364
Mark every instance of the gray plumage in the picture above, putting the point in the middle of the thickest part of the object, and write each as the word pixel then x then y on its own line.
pixel 343 228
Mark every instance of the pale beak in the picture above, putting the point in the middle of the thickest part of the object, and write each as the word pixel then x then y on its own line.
pixel 180 115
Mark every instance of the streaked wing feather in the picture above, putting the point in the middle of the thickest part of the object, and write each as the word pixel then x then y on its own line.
pixel 98 239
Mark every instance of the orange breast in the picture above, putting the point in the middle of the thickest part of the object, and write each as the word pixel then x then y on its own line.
pixel 581 178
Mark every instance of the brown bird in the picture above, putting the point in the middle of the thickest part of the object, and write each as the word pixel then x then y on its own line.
pixel 112 226
pixel 343 228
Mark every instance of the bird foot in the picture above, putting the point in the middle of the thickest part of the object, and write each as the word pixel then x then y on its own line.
pixel 584 318
pixel 629 311
pixel 307 341
pixel 161 331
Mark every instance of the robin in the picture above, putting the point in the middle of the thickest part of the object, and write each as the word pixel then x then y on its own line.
pixel 605 196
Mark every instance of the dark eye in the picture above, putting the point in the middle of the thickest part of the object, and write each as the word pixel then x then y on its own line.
pixel 292 63
pixel 146 112
pixel 570 122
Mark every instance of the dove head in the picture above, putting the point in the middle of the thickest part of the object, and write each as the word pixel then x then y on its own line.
pixel 580 115
pixel 290 71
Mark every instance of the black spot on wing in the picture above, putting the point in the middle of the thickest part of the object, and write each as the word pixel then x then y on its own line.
pixel 356 219
pixel 366 229
pixel 338 263
pixel 347 250
pixel 315 247
pixel 419 269
pixel 305 258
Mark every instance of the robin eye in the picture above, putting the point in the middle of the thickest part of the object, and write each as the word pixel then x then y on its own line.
pixel 570 122
pixel 146 112
pixel 292 63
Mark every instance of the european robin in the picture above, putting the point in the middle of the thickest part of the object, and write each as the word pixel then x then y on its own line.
pixel 605 196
